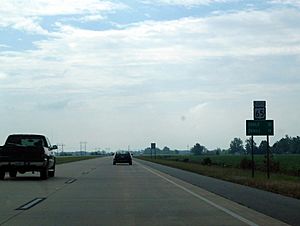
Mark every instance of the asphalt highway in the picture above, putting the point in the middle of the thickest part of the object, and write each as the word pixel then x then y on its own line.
pixel 95 192
pixel 274 205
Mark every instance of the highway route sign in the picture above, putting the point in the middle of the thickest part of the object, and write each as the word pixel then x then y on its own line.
pixel 153 145
pixel 259 110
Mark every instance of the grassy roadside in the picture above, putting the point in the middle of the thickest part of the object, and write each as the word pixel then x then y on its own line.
pixel 67 159
pixel 278 183
pixel 288 164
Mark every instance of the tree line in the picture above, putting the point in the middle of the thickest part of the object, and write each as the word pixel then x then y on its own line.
pixel 286 145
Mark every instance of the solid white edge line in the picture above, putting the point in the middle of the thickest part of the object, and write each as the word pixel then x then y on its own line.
pixel 246 221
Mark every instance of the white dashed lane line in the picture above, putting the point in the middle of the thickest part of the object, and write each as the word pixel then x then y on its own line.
pixel 31 204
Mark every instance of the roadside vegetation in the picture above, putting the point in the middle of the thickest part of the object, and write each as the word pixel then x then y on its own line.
pixel 282 164
pixel 67 159
pixel 278 183
pixel 234 164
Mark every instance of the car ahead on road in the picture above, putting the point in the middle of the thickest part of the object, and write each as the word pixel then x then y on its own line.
pixel 23 153
pixel 122 157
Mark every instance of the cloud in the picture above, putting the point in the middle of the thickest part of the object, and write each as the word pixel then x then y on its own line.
pixel 56 7
pixel 4 46
pixel 82 59
pixel 27 15
pixel 57 105
pixel 197 109
pixel 157 71
pixel 188 3
pixel 236 34
pixel 3 76
pixel 92 18
pixel 28 24
pixel 295 3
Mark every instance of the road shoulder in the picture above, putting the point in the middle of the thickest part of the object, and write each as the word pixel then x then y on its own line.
pixel 276 206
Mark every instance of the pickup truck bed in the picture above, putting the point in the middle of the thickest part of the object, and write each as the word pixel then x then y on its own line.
pixel 27 153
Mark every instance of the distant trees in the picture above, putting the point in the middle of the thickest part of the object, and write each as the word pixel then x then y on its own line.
pixel 198 149
pixel 98 153
pixel 287 145
pixel 295 145
pixel 165 151
pixel 236 146
pixel 262 149
pixel 248 146
pixel 257 150
pixel 283 146
pixel 65 154
pixel 149 151
pixel 218 151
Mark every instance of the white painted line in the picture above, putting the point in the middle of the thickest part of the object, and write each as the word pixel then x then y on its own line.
pixel 246 221
pixel 70 181
pixel 31 204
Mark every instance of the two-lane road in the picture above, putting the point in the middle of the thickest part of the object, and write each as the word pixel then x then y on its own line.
pixel 94 192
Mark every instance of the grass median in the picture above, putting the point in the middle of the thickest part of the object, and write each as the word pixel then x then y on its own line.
pixel 278 183
pixel 67 159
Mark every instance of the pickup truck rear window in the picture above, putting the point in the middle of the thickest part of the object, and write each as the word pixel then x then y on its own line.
pixel 25 141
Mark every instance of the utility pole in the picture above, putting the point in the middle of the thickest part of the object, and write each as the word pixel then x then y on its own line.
pixel 83 144
pixel 62 147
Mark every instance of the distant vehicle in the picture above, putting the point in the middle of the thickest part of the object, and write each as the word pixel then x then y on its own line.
pixel 122 157
pixel 27 153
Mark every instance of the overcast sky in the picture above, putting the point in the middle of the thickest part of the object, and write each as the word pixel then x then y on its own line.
pixel 132 72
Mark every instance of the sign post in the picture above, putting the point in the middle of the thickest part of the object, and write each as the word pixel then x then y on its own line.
pixel 260 127
pixel 268 157
pixel 153 147
pixel 252 156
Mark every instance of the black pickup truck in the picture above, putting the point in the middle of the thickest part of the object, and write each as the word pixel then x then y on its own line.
pixel 27 153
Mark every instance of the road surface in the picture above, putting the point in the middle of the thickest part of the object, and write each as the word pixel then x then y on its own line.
pixel 277 206
pixel 94 192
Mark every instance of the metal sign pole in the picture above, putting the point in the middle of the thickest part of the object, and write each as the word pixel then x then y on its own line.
pixel 268 157
pixel 252 156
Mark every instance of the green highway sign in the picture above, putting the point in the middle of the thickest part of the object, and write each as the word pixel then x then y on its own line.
pixel 259 128
pixel 153 145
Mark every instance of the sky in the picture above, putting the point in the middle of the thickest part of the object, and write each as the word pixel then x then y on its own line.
pixel 175 72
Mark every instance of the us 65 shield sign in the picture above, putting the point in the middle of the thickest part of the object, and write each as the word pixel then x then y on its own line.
pixel 259 110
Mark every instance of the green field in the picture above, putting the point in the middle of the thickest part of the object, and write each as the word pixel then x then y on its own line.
pixel 228 168
pixel 66 159
pixel 288 164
